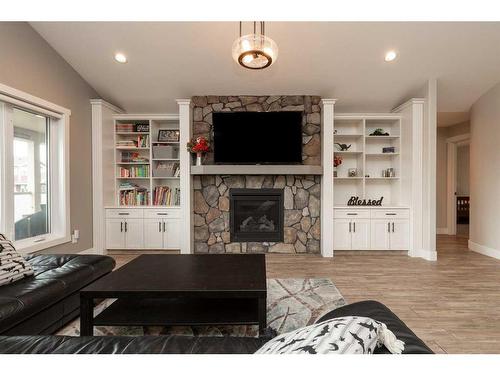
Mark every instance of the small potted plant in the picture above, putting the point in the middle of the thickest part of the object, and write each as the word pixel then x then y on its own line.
pixel 337 160
pixel 198 146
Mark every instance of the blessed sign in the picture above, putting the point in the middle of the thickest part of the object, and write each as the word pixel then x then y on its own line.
pixel 355 201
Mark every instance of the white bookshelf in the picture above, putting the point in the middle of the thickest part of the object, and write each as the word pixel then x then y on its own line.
pixel 150 180
pixel 367 157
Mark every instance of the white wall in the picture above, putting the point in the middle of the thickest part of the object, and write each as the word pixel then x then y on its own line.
pixel 463 155
pixel 485 174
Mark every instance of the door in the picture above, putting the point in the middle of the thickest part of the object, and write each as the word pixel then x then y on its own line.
pixel 342 234
pixel 380 234
pixel 115 234
pixel 400 235
pixel 171 236
pixel 360 232
pixel 134 234
pixel 153 234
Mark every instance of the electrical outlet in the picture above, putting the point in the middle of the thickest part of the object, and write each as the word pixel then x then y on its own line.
pixel 75 236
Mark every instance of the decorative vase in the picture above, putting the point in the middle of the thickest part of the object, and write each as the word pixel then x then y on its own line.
pixel 199 159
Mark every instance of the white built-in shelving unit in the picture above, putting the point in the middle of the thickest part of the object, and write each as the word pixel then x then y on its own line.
pixel 149 163
pixel 367 157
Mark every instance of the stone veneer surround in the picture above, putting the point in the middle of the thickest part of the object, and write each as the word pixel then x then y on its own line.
pixel 302 194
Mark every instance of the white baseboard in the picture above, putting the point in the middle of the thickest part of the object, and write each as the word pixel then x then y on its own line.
pixel 441 230
pixel 430 255
pixel 484 250
pixel 91 251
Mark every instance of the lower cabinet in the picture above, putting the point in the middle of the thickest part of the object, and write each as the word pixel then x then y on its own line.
pixel 142 228
pixel 352 234
pixel 371 229
pixel 161 233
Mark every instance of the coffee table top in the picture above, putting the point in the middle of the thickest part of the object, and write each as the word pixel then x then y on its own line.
pixel 184 275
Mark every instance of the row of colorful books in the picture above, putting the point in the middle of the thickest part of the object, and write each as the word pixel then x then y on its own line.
pixel 166 196
pixel 135 197
pixel 139 141
pixel 139 171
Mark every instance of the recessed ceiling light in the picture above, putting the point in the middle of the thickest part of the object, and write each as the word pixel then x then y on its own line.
pixel 121 58
pixel 390 56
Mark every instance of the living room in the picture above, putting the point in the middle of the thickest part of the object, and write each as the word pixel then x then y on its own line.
pixel 241 186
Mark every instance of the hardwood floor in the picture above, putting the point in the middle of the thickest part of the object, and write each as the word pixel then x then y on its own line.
pixel 452 304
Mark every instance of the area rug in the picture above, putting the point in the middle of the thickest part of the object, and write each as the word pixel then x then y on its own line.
pixel 291 304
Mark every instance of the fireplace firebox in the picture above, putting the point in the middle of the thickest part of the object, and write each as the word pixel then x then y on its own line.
pixel 256 215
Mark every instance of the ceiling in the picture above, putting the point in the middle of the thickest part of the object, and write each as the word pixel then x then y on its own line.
pixel 345 60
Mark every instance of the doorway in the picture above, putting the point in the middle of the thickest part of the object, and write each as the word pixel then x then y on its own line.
pixel 458 199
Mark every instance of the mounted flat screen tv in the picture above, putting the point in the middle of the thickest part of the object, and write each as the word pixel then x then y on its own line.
pixel 257 137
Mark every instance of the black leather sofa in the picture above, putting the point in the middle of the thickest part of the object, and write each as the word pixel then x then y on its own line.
pixel 197 345
pixel 42 304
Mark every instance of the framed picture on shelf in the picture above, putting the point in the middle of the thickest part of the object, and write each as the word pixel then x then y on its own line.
pixel 165 135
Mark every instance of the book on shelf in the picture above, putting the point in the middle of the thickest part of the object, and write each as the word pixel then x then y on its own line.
pixel 139 171
pixel 133 195
pixel 166 196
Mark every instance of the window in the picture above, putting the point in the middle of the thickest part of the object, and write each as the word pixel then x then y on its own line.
pixel 34 189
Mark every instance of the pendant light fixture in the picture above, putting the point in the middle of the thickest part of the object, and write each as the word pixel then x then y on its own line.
pixel 255 51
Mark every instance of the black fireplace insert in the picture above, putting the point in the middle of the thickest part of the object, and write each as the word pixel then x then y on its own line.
pixel 256 215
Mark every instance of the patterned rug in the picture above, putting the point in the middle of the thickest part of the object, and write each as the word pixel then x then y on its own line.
pixel 291 304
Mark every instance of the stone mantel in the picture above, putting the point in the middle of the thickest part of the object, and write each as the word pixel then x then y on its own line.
pixel 257 170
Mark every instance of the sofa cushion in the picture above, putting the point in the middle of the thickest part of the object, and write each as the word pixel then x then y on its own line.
pixel 129 345
pixel 55 278
pixel 13 267
pixel 381 313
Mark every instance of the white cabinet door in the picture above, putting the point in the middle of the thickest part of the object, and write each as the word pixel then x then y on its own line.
pixel 153 234
pixel 171 237
pixel 115 234
pixel 400 234
pixel 134 233
pixel 380 235
pixel 360 234
pixel 341 234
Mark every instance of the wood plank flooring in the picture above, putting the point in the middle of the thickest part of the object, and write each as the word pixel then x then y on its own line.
pixel 452 304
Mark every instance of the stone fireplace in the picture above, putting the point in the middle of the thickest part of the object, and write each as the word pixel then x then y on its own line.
pixel 256 215
pixel 214 221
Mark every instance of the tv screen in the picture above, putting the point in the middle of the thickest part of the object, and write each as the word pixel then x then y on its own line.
pixel 257 137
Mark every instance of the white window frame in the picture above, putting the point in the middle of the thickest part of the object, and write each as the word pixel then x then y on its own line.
pixel 59 173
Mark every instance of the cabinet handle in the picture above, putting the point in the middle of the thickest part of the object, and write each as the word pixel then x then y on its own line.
pixel 162 213
pixel 350 227
pixel 164 226
pixel 125 226
pixel 390 214
pixel 123 213
pixel 121 226
pixel 351 214
pixel 388 227
pixel 159 226
pixel 392 227
pixel 354 226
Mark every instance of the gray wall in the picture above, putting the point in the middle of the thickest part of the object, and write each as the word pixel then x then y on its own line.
pixel 441 168
pixel 484 172
pixel 29 63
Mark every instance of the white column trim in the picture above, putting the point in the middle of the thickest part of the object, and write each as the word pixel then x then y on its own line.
pixel 186 180
pixel 327 188
pixel 98 214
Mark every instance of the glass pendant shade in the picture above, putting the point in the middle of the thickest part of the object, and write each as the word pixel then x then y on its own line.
pixel 255 51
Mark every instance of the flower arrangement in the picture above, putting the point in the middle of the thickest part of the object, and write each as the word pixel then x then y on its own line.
pixel 198 146
pixel 337 160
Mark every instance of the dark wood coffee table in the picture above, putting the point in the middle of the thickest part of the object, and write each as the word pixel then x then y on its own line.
pixel 156 290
